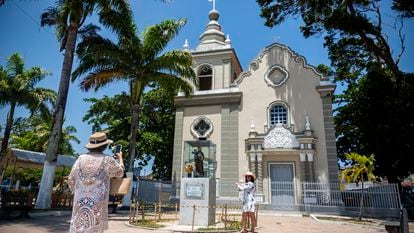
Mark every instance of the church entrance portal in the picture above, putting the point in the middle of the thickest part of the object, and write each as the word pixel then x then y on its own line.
pixel 282 189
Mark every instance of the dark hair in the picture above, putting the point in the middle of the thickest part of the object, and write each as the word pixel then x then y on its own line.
pixel 245 178
pixel 98 149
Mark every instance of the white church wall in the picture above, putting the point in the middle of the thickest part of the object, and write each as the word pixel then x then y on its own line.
pixel 299 93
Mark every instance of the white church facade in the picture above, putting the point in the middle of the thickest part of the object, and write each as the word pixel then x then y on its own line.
pixel 273 119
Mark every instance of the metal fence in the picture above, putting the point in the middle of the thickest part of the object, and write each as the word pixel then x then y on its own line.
pixel 379 200
pixel 153 191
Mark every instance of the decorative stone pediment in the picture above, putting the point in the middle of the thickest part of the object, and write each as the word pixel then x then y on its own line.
pixel 280 137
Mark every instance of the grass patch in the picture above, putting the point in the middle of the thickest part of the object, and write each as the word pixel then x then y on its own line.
pixel 231 226
pixel 147 224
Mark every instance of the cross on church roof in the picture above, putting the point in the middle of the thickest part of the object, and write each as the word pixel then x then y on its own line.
pixel 214 4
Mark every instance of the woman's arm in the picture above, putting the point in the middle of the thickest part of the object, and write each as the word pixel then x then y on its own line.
pixel 71 178
pixel 245 186
pixel 115 169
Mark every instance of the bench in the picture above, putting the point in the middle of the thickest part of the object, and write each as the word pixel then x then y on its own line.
pixel 16 201
pixel 62 200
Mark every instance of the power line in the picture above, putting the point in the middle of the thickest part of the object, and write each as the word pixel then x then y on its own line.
pixel 32 18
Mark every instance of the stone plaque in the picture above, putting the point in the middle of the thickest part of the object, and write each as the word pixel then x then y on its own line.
pixel 194 191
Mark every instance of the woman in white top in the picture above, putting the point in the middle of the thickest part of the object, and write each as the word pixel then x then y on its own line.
pixel 89 181
pixel 249 202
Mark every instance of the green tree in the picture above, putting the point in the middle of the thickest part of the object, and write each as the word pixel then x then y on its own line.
pixel 405 7
pixel 139 61
pixel 18 88
pixel 159 120
pixel 352 30
pixel 34 132
pixel 155 131
pixel 32 176
pixel 375 115
pixel 69 17
pixel 360 170
pixel 25 175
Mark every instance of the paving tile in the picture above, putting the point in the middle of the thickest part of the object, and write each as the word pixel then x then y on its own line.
pixel 269 223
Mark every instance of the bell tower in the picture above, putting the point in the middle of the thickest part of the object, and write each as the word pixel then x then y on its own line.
pixel 214 60
pixel 208 121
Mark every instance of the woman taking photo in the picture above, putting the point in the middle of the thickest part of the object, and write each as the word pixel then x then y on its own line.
pixel 89 181
pixel 249 201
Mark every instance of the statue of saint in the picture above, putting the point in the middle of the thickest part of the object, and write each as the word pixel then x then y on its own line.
pixel 198 161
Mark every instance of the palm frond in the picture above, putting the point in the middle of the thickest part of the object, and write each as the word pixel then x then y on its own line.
pixel 117 15
pixel 156 37
pixel 100 78
pixel 49 17
pixel 361 168
pixel 35 75
pixel 15 64
pixel 89 31
pixel 177 63
pixel 93 43
pixel 172 83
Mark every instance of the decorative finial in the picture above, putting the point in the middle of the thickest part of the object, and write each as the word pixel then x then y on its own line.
pixel 307 124
pixel 186 47
pixel 228 41
pixel 252 127
pixel 214 4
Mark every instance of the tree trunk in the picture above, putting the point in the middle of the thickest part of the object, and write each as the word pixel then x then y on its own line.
pixel 136 90
pixel 361 201
pixel 7 130
pixel 46 185
pixel 133 137
pixel 383 52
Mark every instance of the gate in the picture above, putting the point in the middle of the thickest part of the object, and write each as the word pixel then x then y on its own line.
pixel 379 200
pixel 282 185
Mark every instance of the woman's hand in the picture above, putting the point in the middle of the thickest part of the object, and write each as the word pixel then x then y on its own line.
pixel 119 156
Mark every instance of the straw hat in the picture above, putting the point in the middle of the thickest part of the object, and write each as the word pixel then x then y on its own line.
pixel 250 174
pixel 97 140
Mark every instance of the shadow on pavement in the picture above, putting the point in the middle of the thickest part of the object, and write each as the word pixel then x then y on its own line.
pixel 49 223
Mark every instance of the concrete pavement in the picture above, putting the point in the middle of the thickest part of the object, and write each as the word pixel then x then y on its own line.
pixel 268 222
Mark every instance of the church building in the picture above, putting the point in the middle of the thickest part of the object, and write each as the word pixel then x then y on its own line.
pixel 274 119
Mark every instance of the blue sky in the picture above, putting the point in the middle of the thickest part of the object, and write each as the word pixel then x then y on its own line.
pixel 21 32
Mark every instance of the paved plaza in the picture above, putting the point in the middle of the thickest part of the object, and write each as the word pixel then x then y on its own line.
pixel 268 222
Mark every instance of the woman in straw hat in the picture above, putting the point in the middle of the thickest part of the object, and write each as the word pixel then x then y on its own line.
pixel 249 201
pixel 89 181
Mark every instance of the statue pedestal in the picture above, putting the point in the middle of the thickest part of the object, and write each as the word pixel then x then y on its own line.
pixel 200 192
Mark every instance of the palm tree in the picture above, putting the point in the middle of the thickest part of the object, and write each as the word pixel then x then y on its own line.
pixel 36 133
pixel 361 169
pixel 68 17
pixel 18 88
pixel 139 61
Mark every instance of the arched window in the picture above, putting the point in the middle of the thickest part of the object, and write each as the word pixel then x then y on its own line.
pixel 278 114
pixel 205 77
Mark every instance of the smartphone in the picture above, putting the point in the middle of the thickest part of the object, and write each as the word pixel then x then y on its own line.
pixel 118 149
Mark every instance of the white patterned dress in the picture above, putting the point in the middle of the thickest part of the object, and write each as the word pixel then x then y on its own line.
pixel 249 201
pixel 89 181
